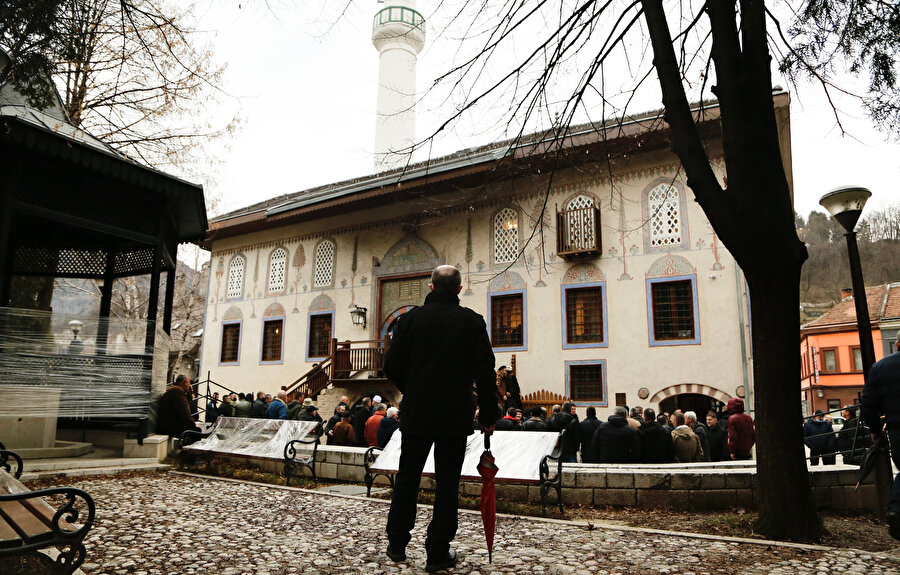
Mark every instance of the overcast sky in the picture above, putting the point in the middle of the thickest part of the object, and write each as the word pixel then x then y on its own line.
pixel 305 87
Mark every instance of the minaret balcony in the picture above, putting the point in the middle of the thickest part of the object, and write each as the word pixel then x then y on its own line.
pixel 399 23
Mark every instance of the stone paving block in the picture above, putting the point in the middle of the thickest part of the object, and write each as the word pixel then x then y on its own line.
pixel 326 470
pixel 869 497
pixel 838 498
pixel 686 480
pixel 509 492
pixel 355 457
pixel 569 477
pixel 712 481
pixel 577 496
pixel 822 496
pixel 847 477
pixel 534 495
pixel 744 498
pixel 427 483
pixel 652 480
pixel 738 480
pixel 620 480
pixel 586 478
pixel 823 478
pixel 470 488
pixel 351 473
pixel 663 498
pixel 713 499
pixel 615 497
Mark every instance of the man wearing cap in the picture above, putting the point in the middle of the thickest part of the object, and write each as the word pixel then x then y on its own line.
pixel 819 438
pixel 881 395
pixel 438 349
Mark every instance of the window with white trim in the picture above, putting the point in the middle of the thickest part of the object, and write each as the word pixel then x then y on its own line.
pixel 665 216
pixel 235 277
pixel 324 266
pixel 506 236
pixel 277 267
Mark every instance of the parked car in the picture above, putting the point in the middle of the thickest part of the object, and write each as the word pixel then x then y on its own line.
pixel 837 423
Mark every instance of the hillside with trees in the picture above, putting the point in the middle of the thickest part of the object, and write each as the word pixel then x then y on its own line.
pixel 827 270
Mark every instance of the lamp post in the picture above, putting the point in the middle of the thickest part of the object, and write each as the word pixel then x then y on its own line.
pixel 845 204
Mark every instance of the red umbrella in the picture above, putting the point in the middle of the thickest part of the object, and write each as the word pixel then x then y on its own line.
pixel 487 468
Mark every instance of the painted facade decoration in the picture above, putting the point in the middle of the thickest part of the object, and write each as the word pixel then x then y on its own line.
pixel 657 315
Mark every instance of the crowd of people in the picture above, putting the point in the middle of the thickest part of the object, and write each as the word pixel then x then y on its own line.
pixel 851 441
pixel 369 423
pixel 640 435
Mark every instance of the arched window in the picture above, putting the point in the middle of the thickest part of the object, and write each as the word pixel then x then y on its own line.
pixel 277 269
pixel 323 275
pixel 506 236
pixel 664 211
pixel 235 277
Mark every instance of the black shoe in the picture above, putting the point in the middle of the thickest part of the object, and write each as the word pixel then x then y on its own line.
pixel 893 518
pixel 448 562
pixel 396 556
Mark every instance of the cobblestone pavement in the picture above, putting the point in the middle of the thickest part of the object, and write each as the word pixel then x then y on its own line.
pixel 171 523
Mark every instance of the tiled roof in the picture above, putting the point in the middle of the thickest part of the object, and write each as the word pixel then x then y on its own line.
pixel 883 301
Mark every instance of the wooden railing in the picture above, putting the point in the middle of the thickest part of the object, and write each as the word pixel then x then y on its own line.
pixel 543 398
pixel 345 360
pixel 578 232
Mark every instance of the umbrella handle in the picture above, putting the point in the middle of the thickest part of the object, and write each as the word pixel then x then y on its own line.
pixel 487 441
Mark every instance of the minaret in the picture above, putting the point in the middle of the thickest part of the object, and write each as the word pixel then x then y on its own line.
pixel 399 35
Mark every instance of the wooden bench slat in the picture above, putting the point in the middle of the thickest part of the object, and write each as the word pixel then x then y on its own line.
pixel 42 510
pixel 8 535
pixel 29 526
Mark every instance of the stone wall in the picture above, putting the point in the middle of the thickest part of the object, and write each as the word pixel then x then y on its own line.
pixel 697 486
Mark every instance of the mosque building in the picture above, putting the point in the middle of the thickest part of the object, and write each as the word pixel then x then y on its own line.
pixel 597 275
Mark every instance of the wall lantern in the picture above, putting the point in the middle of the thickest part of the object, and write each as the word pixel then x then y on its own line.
pixel 820 393
pixel 358 315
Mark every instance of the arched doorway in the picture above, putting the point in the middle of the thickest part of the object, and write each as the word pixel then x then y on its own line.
pixel 690 397
pixel 388 325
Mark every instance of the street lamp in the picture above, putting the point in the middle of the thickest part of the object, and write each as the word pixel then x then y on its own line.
pixel 845 204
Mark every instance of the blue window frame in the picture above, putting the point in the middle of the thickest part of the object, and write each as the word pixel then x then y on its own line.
pixel 672 311
pixel 586 382
pixel 508 320
pixel 271 348
pixel 230 344
pixel 584 321
pixel 320 327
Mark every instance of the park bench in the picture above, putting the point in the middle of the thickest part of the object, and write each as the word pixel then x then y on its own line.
pixel 33 520
pixel 292 442
pixel 523 457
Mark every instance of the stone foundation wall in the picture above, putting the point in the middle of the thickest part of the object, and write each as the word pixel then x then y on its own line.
pixel 696 486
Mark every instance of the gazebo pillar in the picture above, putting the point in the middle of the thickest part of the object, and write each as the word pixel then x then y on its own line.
pixel 106 302
pixel 6 246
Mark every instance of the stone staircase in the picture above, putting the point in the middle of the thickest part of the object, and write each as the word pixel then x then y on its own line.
pixel 94 463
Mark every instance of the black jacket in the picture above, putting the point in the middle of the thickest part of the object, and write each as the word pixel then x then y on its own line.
pixel 881 395
pixel 438 349
pixel 586 429
pixel 616 442
pixel 572 438
pixel 656 443
pixel 535 424
pixel 259 409
pixel 507 424
pixel 846 438
pixel 822 444
pixel 702 434
pixel 718 443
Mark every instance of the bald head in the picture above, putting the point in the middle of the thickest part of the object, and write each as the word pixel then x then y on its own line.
pixel 446 279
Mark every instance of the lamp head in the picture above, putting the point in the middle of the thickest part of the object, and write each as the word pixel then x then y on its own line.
pixel 845 204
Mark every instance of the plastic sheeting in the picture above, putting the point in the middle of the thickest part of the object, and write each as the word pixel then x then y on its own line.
pixel 518 454
pixel 38 349
pixel 263 438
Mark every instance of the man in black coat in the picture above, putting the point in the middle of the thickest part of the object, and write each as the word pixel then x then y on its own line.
pixel 586 429
pixel 881 395
pixel 656 440
pixel 568 421
pixel 358 417
pixel 854 438
pixel 174 412
pixel 717 438
pixel 615 441
pixel 438 349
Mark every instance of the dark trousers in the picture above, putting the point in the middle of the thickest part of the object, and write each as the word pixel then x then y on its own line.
pixel 894 440
pixel 827 459
pixel 449 453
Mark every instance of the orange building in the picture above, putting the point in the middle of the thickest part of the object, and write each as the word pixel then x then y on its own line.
pixel 830 362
